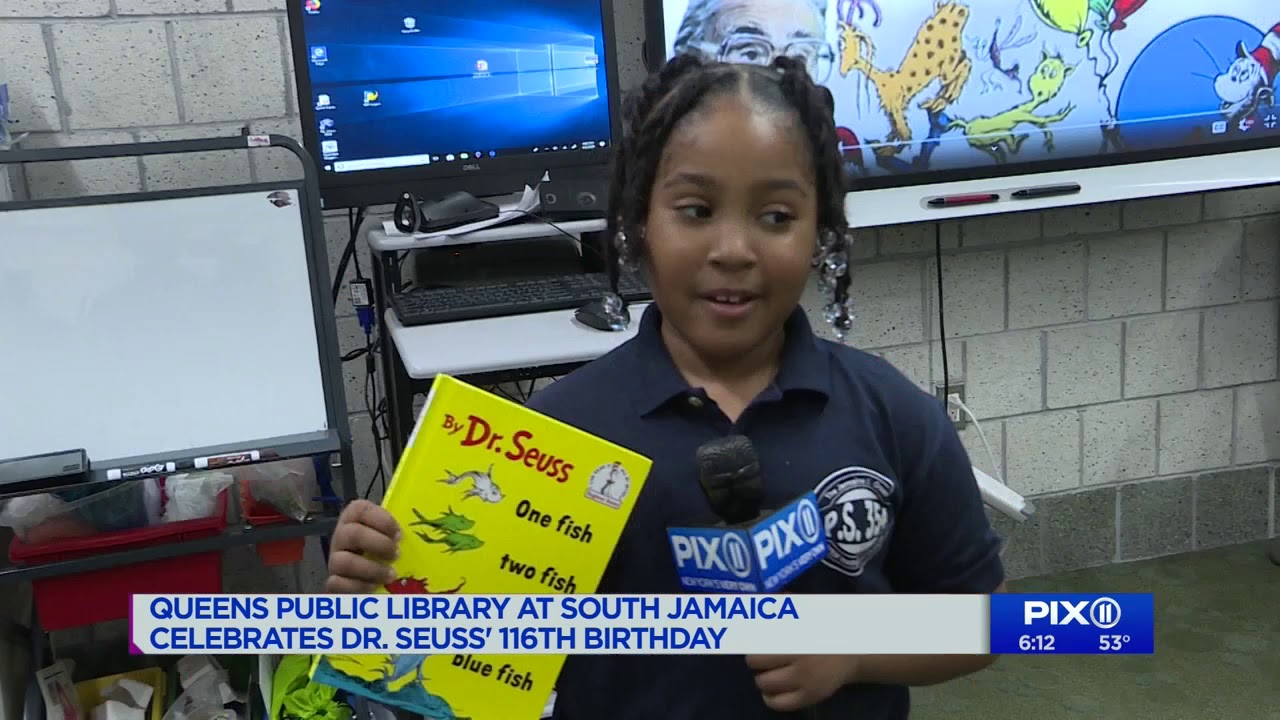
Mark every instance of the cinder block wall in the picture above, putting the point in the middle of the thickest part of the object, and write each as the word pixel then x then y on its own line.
pixel 1122 357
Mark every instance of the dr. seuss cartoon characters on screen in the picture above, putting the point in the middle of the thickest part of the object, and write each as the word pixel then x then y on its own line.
pixel 935 84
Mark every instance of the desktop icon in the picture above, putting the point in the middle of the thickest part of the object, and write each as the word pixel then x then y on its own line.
pixel 410 25
pixel 492 154
pixel 324 102
pixel 1219 127
pixel 329 147
pixel 465 156
pixel 592 59
pixel 482 66
pixel 1270 121
pixel 535 149
pixel 327 126
pixel 311 6
pixel 449 157
pixel 371 98
pixel 319 54
pixel 1247 123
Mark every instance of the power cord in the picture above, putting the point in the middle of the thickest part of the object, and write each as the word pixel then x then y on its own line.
pixel 942 319
pixel 991 456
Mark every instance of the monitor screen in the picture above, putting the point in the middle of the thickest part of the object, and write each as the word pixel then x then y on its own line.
pixel 932 91
pixel 443 88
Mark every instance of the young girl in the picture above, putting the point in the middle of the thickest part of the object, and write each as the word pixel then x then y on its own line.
pixel 727 185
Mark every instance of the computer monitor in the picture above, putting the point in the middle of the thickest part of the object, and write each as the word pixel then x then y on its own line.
pixel 948 108
pixel 432 96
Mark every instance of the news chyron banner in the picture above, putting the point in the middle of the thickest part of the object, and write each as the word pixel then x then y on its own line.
pixel 1075 624
pixel 394 625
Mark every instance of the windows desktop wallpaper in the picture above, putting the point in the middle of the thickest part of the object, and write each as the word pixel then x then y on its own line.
pixel 398 78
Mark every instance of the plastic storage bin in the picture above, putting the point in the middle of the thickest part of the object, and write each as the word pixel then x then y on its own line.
pixel 279 552
pixel 69 601
pixel 90 691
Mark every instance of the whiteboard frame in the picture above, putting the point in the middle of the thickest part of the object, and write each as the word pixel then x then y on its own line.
pixel 338 437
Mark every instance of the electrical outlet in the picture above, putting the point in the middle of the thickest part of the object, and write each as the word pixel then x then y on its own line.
pixel 958 418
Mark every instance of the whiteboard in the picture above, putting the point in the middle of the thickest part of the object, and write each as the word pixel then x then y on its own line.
pixel 158 326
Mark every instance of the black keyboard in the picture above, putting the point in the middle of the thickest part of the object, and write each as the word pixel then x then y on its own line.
pixel 427 306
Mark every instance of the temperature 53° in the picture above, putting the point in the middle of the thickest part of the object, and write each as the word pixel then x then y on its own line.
pixel 1112 643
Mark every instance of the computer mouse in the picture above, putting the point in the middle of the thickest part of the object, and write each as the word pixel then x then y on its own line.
pixel 608 314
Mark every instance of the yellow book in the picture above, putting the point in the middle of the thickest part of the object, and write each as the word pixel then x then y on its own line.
pixel 495 499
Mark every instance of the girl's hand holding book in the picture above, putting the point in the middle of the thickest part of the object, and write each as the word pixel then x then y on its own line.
pixel 364 545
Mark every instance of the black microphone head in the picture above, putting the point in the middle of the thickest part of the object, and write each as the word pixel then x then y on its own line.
pixel 729 472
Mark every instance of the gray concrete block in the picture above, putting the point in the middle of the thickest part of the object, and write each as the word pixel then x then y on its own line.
pixel 912 361
pixel 33 104
pixel 217 86
pixel 1262 258
pixel 272 164
pixel 1046 285
pixel 78 178
pixel 889 303
pixel 1000 229
pixel 1257 423
pixel 1023 547
pixel 169 7
pixel 1043 452
pixel 1203 265
pixel 864 244
pixel 1162 354
pixel 54 8
pixel 1082 220
pixel 1161 211
pixel 252 5
pixel 1232 506
pixel 1195 431
pixel 1155 518
pixel 1084 365
pixel 1242 203
pixel 1003 374
pixel 1240 344
pixel 116 74
pixel 1119 442
pixel 973 293
pixel 917 238
pixel 1126 274
pixel 194 170
pixel 1079 529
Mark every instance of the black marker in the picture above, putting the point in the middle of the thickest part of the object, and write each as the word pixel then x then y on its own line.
pixel 1047 191
pixel 957 200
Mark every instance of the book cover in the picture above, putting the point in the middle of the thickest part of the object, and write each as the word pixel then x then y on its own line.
pixel 492 498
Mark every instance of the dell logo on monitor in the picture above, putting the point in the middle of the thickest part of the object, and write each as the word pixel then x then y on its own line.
pixel 471 167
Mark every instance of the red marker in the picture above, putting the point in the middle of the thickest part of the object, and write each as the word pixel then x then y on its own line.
pixel 957 200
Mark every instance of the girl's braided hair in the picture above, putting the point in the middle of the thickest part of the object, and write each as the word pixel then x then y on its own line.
pixel 680 88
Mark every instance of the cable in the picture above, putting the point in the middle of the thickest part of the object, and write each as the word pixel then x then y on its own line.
pixel 995 465
pixel 942 320
pixel 354 221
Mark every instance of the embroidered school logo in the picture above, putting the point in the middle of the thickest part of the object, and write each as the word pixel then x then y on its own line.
pixel 609 485
pixel 857 510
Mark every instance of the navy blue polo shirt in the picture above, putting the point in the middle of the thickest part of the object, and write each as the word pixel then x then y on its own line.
pixel 894 483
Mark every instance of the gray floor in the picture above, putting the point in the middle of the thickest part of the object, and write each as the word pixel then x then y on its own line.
pixel 1217 650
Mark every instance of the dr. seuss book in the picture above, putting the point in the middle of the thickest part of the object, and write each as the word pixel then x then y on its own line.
pixel 492 498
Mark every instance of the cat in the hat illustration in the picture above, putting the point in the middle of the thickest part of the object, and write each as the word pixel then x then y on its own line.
pixel 1249 82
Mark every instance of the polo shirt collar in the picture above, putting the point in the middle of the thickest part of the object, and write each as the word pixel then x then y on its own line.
pixel 805 366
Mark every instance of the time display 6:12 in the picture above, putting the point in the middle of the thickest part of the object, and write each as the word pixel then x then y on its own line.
pixel 1035 643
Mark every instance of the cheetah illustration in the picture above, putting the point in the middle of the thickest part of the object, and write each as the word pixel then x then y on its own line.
pixel 937 53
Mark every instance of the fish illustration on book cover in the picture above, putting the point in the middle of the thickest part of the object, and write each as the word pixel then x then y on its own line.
pixel 494 499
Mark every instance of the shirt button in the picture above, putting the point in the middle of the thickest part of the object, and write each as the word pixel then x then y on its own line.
pixel 695 402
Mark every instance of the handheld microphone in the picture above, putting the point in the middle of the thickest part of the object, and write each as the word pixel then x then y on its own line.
pixel 748 551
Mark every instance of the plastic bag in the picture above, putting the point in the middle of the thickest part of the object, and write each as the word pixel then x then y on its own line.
pixel 285 486
pixel 194 496
pixel 202 700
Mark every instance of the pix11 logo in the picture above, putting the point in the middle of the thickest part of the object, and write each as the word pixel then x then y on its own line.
pixel 1073 624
